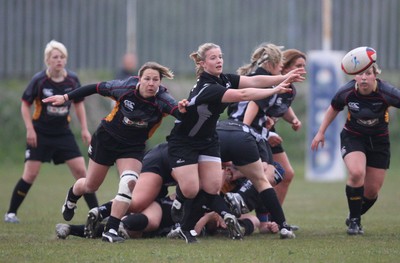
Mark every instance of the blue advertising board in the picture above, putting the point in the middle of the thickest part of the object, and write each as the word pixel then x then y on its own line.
pixel 325 77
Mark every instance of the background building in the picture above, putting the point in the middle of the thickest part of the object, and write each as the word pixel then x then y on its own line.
pixel 98 32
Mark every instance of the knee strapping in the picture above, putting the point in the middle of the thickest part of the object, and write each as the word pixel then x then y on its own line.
pixel 124 192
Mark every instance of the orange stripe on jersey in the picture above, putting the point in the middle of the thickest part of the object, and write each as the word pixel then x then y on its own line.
pixel 112 114
pixel 387 115
pixel 37 110
pixel 155 127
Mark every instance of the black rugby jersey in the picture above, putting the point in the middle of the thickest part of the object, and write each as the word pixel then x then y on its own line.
pixel 47 118
pixel 205 105
pixel 236 110
pixel 279 103
pixel 367 114
pixel 282 103
pixel 134 118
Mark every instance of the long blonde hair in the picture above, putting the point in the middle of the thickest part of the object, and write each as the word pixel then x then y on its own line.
pixel 264 53
pixel 200 55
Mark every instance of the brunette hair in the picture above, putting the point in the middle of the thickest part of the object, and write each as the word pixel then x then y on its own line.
pixel 164 71
pixel 290 56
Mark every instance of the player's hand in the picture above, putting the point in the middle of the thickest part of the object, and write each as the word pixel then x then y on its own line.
pixel 86 136
pixel 296 124
pixel 319 138
pixel 296 75
pixel 182 105
pixel 55 100
pixel 269 123
pixel 31 138
pixel 275 140
pixel 283 87
pixel 268 227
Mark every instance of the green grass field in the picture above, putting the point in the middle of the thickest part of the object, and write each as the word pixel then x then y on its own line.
pixel 318 208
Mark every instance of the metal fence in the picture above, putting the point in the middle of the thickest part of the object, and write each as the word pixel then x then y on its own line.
pixel 98 32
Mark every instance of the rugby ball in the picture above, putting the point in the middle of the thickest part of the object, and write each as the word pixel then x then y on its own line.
pixel 358 60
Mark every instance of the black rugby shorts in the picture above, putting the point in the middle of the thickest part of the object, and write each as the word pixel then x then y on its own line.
pixel 375 148
pixel 56 148
pixel 239 147
pixel 105 149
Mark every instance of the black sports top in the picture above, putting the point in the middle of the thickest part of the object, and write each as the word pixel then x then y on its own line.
pixel 205 106
pixel 367 114
pixel 47 118
pixel 133 119
pixel 274 106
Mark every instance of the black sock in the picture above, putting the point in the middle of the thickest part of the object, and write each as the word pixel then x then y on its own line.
pixel 180 196
pixel 136 222
pixel 270 201
pixel 105 209
pixel 216 203
pixel 77 230
pixel 112 223
pixel 91 200
pixel 193 211
pixel 354 200
pixel 20 191
pixel 367 204
pixel 248 226
pixel 100 230
pixel 72 197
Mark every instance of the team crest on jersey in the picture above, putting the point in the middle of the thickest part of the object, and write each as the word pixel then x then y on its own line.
pixel 48 92
pixel 278 101
pixel 353 106
pixel 130 105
